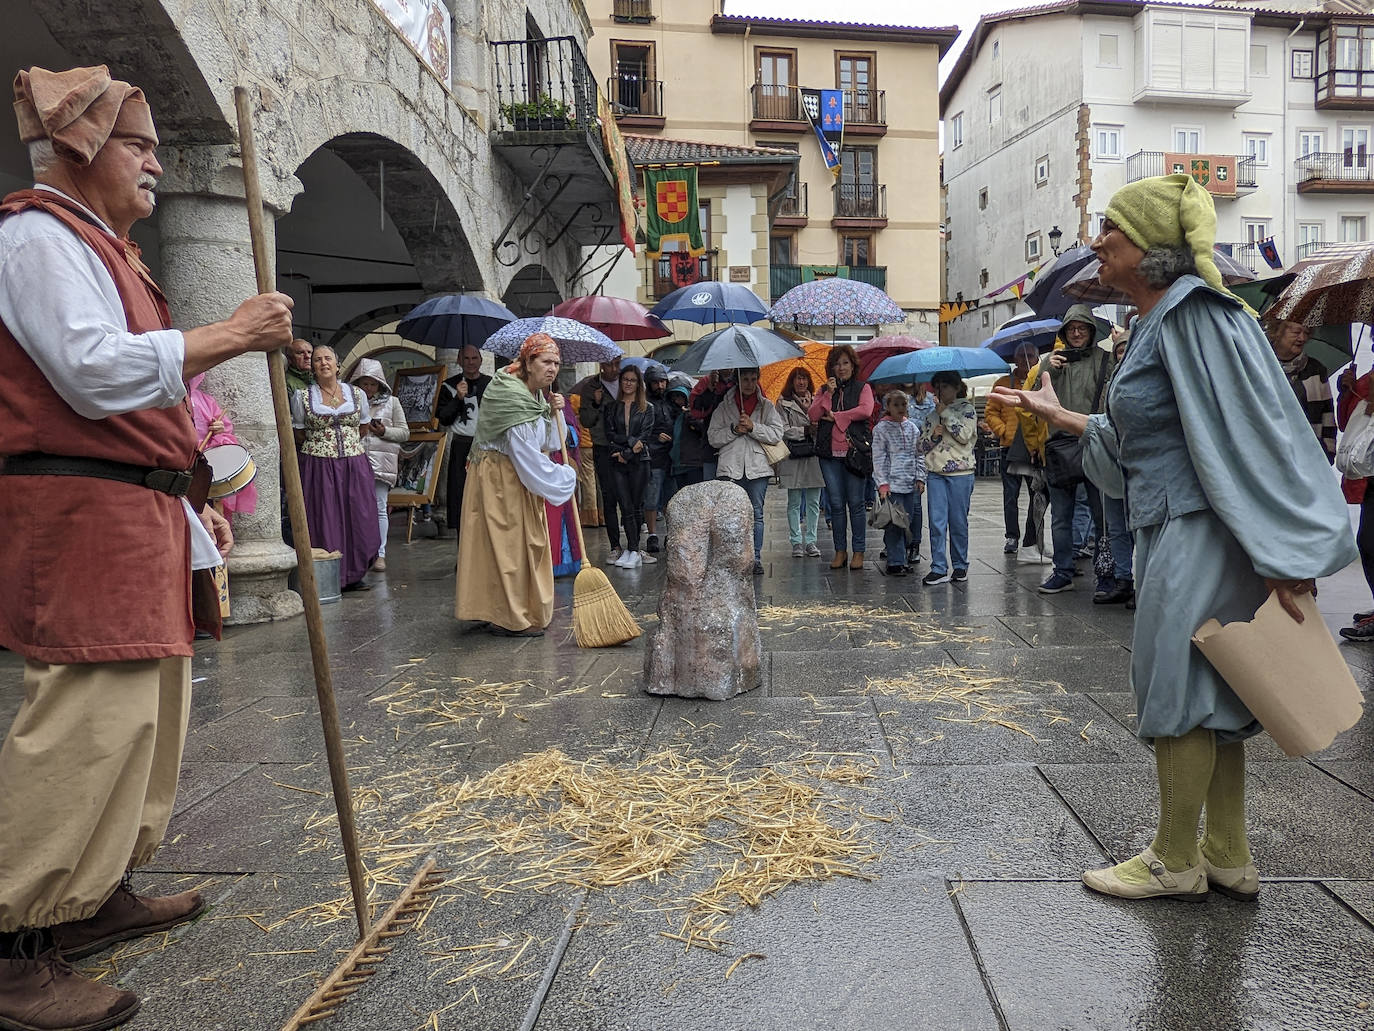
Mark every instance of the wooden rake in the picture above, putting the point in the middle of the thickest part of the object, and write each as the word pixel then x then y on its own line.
pixel 361 963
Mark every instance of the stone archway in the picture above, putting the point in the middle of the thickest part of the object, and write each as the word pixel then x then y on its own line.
pixel 532 291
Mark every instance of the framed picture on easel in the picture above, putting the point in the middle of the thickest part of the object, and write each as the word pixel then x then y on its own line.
pixel 417 389
pixel 417 473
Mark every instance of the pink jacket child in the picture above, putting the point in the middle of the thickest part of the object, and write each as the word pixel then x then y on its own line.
pixel 210 419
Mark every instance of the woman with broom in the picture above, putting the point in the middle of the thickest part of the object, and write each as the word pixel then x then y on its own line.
pixel 505 568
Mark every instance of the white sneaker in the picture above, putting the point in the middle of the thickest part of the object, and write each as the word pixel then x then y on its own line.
pixel 1034 556
pixel 633 560
pixel 647 559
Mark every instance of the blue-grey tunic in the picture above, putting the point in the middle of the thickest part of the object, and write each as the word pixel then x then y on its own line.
pixel 1225 485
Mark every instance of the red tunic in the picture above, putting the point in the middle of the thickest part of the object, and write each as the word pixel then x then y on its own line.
pixel 91 570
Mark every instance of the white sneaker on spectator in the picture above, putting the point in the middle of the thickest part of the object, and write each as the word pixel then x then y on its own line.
pixel 1034 556
pixel 632 560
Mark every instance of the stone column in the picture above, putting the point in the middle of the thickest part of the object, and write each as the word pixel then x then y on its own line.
pixel 207 271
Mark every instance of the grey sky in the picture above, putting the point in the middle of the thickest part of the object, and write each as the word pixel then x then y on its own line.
pixel 927 13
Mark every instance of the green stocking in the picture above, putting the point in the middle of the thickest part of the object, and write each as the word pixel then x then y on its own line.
pixel 1184 766
pixel 1225 843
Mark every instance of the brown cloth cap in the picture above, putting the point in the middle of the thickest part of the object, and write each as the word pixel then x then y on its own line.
pixel 79 110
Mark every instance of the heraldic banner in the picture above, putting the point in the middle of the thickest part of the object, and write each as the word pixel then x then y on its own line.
pixel 670 203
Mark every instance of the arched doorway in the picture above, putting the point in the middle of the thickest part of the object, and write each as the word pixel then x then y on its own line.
pixel 532 291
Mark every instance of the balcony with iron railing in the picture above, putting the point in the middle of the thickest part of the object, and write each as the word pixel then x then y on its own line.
pixel 547 129
pixel 865 112
pixel 1247 254
pixel 782 278
pixel 637 102
pixel 673 270
pixel 633 10
pixel 1310 249
pixel 859 205
pixel 792 210
pixel 1144 164
pixel 776 108
pixel 1350 171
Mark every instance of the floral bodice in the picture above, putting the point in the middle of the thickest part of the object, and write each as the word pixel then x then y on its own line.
pixel 329 432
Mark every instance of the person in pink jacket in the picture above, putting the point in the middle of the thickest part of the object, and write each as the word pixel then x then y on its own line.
pixel 840 411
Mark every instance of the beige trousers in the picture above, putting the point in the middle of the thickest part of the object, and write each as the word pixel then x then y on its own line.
pixel 88 775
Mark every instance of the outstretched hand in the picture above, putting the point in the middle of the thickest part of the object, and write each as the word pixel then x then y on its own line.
pixel 1042 401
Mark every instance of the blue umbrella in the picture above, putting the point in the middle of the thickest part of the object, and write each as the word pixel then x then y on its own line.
pixel 711 302
pixel 918 366
pixel 736 347
pixel 1039 332
pixel 578 343
pixel 454 320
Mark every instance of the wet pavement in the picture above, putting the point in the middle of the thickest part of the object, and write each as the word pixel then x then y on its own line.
pixel 956 754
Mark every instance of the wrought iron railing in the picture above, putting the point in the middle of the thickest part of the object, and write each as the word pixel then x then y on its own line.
pixel 1144 164
pixel 795 202
pixel 544 85
pixel 1310 249
pixel 865 106
pixel 776 103
pixel 782 278
pixel 675 269
pixel 633 10
pixel 860 200
pixel 1354 166
pixel 1247 254
pixel 631 95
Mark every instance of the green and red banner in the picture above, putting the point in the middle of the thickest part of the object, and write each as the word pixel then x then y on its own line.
pixel 671 210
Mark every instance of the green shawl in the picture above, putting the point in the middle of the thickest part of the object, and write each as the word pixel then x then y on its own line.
pixel 507 403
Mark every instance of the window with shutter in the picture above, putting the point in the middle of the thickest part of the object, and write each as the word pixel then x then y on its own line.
pixel 1232 55
pixel 1199 42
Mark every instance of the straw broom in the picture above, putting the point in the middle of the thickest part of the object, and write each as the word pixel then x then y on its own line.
pixel 600 618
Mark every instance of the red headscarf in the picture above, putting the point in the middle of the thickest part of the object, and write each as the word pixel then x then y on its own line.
pixel 535 344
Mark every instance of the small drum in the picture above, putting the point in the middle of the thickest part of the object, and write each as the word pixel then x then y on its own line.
pixel 231 469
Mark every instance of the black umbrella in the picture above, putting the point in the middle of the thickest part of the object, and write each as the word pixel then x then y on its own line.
pixel 454 320
pixel 1045 297
pixel 736 347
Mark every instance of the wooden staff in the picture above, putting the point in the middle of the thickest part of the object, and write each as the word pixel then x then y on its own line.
pixel 295 507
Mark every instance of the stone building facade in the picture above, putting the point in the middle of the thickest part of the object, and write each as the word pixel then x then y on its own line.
pixel 386 186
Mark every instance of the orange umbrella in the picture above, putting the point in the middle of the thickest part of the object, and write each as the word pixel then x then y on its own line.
pixel 772 378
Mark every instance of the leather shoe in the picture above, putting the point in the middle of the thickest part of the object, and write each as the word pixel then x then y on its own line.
pixel 1236 882
pixel 840 559
pixel 1189 885
pixel 123 916
pixel 43 993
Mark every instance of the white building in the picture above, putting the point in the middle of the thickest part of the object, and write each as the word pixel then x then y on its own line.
pixel 1050 109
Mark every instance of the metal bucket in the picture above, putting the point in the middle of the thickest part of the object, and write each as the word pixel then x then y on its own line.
pixel 326 580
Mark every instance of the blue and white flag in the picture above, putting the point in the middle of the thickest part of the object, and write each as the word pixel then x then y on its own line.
pixel 812 105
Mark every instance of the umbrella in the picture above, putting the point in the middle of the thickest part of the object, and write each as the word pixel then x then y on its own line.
pixel 1085 286
pixel 871 352
pixel 578 343
pixel 1331 291
pixel 1046 297
pixel 773 378
pixel 1039 332
pixel 919 366
pixel 1261 293
pixel 711 302
pixel 618 318
pixel 836 302
pixel 453 321
pixel 1330 347
pixel 736 347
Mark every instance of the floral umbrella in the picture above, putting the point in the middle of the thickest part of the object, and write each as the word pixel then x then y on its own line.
pixel 772 378
pixel 1333 291
pixel 871 352
pixel 836 302
pixel 578 343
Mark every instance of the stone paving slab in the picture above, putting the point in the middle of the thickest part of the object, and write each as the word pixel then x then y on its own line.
pixel 772 729
pixel 819 674
pixel 1358 895
pixel 1297 823
pixel 1060 957
pixel 840 956
pixel 1085 669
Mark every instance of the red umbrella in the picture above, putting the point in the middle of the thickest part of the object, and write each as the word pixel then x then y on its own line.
pixel 871 352
pixel 618 318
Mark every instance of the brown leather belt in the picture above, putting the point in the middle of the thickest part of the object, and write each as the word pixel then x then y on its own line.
pixel 177 483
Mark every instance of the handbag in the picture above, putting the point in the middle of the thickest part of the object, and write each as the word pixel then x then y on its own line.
pixel 776 453
pixel 885 513
pixel 804 448
pixel 1064 451
pixel 859 458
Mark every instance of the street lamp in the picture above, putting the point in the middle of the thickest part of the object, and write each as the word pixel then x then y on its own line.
pixel 1056 234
